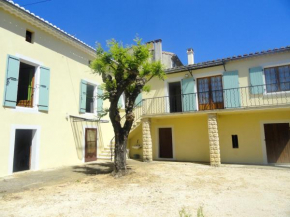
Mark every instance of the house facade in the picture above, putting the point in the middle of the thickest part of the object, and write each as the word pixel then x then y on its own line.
pixel 50 103
pixel 49 96
pixel 231 110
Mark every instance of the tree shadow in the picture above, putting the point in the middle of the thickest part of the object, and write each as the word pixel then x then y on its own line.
pixel 96 168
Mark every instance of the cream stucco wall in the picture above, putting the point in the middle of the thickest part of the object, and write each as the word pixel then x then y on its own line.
pixel 60 141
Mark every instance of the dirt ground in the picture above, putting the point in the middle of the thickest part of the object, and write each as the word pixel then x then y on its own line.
pixel 159 189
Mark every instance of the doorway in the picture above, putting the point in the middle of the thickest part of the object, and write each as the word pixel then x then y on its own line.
pixel 210 93
pixel 165 143
pixel 277 138
pixel 175 97
pixel 90 144
pixel 22 150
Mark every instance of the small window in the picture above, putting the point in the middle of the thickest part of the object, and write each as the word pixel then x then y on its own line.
pixel 29 36
pixel 90 98
pixel 235 141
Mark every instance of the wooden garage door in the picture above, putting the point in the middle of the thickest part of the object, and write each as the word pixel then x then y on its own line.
pixel 165 143
pixel 277 138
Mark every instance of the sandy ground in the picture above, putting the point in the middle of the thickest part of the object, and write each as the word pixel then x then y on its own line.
pixel 160 189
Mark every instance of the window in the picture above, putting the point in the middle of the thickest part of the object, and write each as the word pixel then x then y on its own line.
pixel 90 101
pixel 29 36
pixel 25 90
pixel 235 141
pixel 277 79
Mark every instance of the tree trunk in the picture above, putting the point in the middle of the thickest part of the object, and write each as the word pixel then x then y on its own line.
pixel 120 167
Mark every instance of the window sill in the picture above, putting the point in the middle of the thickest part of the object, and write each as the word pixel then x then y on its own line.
pixel 26 109
pixel 276 93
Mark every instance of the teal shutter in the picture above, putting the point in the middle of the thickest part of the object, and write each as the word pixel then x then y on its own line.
pixel 256 80
pixel 188 95
pixel 231 89
pixel 138 101
pixel 99 100
pixel 11 81
pixel 83 96
pixel 43 103
pixel 120 101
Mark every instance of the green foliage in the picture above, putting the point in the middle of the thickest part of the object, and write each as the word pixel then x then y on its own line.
pixel 184 213
pixel 200 212
pixel 125 68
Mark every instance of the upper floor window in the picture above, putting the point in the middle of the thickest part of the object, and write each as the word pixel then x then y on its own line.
pixel 25 85
pixel 277 78
pixel 28 36
pixel 90 101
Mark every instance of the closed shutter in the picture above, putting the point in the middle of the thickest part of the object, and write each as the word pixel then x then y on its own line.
pixel 138 101
pixel 188 95
pixel 43 103
pixel 11 81
pixel 231 89
pixel 256 80
pixel 120 101
pixel 99 100
pixel 83 96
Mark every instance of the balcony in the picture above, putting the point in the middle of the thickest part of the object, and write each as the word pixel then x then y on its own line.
pixel 224 99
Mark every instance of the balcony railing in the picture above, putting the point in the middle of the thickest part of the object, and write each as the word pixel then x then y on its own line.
pixel 235 98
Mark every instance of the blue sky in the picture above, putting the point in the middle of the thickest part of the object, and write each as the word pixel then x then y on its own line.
pixel 213 28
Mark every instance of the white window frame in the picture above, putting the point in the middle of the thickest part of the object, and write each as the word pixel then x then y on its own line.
pixel 95 84
pixel 34 146
pixel 84 141
pixel 37 65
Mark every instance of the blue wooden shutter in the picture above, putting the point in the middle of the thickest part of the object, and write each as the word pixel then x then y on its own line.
pixel 99 100
pixel 138 101
pixel 43 103
pixel 120 101
pixel 256 80
pixel 188 95
pixel 231 89
pixel 11 81
pixel 83 96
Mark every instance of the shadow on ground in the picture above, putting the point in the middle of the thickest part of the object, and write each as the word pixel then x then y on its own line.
pixel 96 168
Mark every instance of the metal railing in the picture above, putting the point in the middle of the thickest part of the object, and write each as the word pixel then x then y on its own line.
pixel 234 98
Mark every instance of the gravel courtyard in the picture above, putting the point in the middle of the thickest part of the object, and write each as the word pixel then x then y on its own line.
pixel 154 189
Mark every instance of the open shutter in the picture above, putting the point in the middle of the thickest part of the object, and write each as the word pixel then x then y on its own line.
pixel 120 101
pixel 11 81
pixel 83 96
pixel 231 89
pixel 188 95
pixel 43 103
pixel 99 100
pixel 256 80
pixel 138 101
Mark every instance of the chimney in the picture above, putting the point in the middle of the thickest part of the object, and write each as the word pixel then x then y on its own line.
pixel 190 56
pixel 158 50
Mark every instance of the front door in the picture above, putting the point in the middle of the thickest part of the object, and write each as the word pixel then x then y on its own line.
pixel 165 143
pixel 277 137
pixel 210 93
pixel 90 144
pixel 175 97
